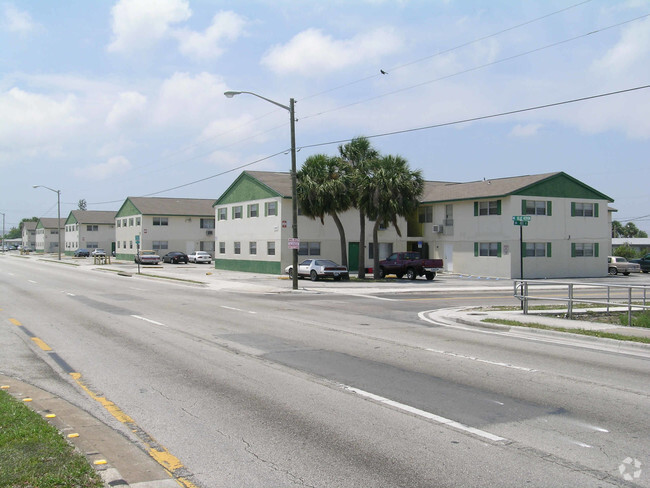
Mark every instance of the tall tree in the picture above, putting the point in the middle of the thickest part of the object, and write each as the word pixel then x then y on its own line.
pixel 82 204
pixel 323 189
pixel 359 155
pixel 391 190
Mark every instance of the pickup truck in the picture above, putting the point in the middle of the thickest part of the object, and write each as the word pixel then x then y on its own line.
pixel 617 264
pixel 644 262
pixel 409 264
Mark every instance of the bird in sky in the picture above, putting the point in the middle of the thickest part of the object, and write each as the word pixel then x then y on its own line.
pixel 383 72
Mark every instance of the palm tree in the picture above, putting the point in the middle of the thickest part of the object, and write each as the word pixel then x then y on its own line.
pixel 323 189
pixel 359 155
pixel 391 190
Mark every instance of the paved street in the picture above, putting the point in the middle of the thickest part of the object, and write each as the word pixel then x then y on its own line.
pixel 242 382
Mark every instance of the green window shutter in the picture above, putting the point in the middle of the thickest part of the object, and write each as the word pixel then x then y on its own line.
pixel 498 207
pixel 573 209
pixel 573 250
pixel 476 249
pixel 548 249
pixel 523 207
pixel 595 210
pixel 498 249
pixel 596 246
pixel 549 208
pixel 475 209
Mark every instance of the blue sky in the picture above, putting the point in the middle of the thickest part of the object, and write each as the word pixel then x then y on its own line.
pixel 109 99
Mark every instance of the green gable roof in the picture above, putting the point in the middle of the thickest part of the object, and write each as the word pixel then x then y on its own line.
pixel 562 185
pixel 257 185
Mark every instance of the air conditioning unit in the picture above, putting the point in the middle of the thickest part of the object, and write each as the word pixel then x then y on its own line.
pixel 209 232
pixel 437 229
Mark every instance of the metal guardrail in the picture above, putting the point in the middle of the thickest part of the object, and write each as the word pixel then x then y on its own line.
pixel 632 297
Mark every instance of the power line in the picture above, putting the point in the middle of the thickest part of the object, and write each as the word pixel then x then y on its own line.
pixel 446 51
pixel 475 68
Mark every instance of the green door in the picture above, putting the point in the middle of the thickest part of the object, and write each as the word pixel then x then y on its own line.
pixel 353 256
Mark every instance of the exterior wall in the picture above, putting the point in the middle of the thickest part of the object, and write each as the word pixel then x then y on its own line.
pixel 182 233
pixel 560 232
pixel 47 240
pixel 277 229
pixel 29 238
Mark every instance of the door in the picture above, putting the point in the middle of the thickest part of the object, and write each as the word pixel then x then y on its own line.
pixel 353 256
pixel 448 259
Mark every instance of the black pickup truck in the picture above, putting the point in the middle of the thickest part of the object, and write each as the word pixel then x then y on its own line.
pixel 644 262
pixel 409 264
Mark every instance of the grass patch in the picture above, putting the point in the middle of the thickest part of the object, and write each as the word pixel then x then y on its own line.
pixel 593 333
pixel 639 319
pixel 34 454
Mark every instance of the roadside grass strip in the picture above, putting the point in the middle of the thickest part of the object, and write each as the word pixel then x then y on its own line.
pixel 586 332
pixel 34 453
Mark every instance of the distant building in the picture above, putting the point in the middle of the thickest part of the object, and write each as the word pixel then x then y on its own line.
pixel 90 229
pixel 640 244
pixel 47 235
pixel 163 225
pixel 28 230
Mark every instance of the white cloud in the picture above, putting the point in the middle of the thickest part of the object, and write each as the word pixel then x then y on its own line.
pixel 226 26
pixel 527 130
pixel 189 100
pixel 129 106
pixel 115 166
pixel 15 20
pixel 312 53
pixel 140 24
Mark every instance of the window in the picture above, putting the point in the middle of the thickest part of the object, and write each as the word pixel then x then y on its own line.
pixel 252 247
pixel 580 209
pixel 237 247
pixel 270 208
pixel 137 221
pixel 207 223
pixel 160 245
pixel 222 213
pixel 309 249
pixel 270 248
pixel 236 212
pixel 487 249
pixel 222 247
pixel 118 244
pixel 92 228
pixel 425 215
pixel 449 215
pixel 131 222
pixel 130 244
pixel 537 249
pixel 535 207
pixel 160 221
pixel 124 222
pixel 254 210
pixel 584 249
pixel 491 207
pixel 119 223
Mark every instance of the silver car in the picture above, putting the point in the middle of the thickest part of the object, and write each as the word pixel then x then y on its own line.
pixel 319 268
pixel 200 257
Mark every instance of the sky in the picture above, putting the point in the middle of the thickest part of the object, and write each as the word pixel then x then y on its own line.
pixel 104 100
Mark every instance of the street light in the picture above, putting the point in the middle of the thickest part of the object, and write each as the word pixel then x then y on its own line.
pixel 3 233
pixel 58 208
pixel 294 193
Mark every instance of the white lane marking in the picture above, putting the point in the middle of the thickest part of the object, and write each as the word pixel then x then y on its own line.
pixel 581 444
pixel 237 309
pixel 32 281
pixel 426 415
pixel 147 320
pixel 472 358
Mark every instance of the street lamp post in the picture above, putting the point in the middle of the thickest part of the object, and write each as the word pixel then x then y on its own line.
pixel 58 211
pixel 3 233
pixel 294 193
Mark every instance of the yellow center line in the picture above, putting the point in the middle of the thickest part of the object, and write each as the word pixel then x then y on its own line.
pixel 41 344
pixel 15 322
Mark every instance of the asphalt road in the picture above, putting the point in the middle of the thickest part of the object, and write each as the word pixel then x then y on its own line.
pixel 278 388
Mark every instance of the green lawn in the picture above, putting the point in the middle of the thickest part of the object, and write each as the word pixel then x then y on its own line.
pixel 33 454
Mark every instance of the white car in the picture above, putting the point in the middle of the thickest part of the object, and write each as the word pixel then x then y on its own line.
pixel 200 257
pixel 319 268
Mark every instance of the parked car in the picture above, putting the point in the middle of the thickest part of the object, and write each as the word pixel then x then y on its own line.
pixel 175 257
pixel 200 257
pixel 409 264
pixel 82 253
pixel 618 264
pixel 147 257
pixel 319 268
pixel 644 262
pixel 98 252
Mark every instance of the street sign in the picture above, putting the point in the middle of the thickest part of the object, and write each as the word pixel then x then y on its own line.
pixel 294 243
pixel 520 222
pixel 521 218
pixel 137 239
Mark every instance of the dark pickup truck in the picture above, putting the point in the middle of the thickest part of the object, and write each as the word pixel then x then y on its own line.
pixel 409 264
pixel 644 262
